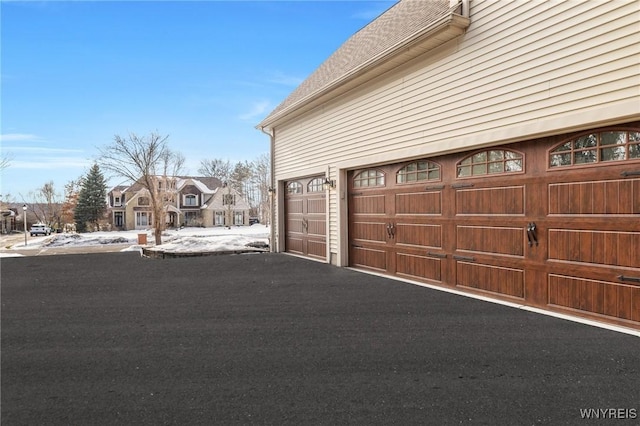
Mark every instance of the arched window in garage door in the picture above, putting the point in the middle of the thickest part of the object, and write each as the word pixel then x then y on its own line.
pixel 294 188
pixel 368 178
pixel 418 171
pixel 315 185
pixel 489 162
pixel 596 147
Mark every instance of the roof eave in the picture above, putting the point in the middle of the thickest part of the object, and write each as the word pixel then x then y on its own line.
pixel 439 32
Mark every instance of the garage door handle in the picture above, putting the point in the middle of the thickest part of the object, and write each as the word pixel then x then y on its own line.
pixel 531 234
pixel 631 279
pixel 462 185
pixel 633 173
pixel 391 230
pixel 467 258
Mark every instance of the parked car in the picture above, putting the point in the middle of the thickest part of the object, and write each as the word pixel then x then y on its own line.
pixel 40 229
pixel 253 220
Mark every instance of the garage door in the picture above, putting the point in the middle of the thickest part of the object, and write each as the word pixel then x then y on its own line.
pixel 305 213
pixel 552 223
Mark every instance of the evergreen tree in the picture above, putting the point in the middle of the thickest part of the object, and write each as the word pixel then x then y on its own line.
pixel 92 203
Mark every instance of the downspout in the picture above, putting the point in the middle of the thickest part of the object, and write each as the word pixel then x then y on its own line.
pixel 272 194
pixel 465 8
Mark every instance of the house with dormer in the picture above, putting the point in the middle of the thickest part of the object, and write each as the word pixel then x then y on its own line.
pixel 188 201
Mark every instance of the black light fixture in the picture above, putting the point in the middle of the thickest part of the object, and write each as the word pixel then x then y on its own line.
pixel 328 184
pixel 271 190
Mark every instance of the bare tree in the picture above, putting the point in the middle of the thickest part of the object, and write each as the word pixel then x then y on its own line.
pixel 148 161
pixel 262 181
pixel 5 161
pixel 216 168
pixel 47 206
pixel 71 191
pixel 240 178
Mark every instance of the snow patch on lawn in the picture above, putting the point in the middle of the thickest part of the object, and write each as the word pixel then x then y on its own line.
pixel 185 240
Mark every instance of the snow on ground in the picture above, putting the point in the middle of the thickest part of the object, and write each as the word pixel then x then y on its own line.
pixel 185 240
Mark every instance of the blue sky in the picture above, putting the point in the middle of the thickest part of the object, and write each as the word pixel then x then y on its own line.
pixel 74 74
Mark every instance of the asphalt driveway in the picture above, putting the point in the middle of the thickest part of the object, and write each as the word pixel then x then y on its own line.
pixel 116 339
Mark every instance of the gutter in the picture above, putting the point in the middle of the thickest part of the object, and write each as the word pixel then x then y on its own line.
pixel 273 194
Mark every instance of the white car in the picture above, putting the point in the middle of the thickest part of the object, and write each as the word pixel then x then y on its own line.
pixel 40 229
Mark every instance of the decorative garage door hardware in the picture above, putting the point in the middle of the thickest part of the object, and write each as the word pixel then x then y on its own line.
pixel 391 230
pixel 462 185
pixel 465 258
pixel 630 279
pixel 439 255
pixel 434 188
pixel 633 173
pixel 531 234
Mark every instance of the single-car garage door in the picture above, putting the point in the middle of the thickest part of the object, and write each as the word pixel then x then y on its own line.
pixel 552 223
pixel 305 213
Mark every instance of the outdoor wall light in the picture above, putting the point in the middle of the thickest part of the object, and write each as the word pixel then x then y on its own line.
pixel 271 190
pixel 328 184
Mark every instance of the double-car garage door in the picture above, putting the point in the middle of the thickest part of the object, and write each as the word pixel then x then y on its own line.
pixel 553 223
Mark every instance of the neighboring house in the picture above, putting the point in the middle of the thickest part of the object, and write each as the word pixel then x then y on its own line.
pixel 491 147
pixel 189 201
pixel 8 220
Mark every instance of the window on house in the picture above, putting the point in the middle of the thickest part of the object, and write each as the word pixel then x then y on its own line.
pixel 219 220
pixel 294 188
pixel 595 148
pixel 316 185
pixel 191 218
pixel 117 202
pixel 418 171
pixel 144 201
pixel 228 199
pixel 370 177
pixel 493 161
pixel 143 219
pixel 238 218
pixel 190 200
pixel 118 219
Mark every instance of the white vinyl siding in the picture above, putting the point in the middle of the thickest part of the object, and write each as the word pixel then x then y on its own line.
pixel 523 69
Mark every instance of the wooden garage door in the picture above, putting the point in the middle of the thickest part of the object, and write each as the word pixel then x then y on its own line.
pixel 552 223
pixel 305 212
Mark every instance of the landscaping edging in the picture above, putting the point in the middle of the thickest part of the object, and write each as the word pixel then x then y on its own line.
pixel 159 254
